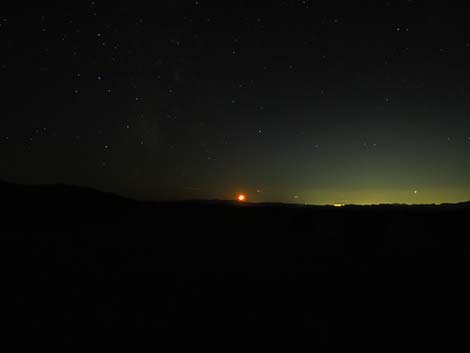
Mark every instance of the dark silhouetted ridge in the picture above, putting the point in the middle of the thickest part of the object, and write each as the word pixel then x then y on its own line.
pixel 98 260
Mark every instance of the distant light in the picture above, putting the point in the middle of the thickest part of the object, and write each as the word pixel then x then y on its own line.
pixel 338 205
pixel 241 198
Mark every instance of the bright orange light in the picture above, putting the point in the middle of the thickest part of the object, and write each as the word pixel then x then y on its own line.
pixel 241 198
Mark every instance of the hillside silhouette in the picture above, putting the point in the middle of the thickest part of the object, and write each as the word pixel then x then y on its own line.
pixel 351 274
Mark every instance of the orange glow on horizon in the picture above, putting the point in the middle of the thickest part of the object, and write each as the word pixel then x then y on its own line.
pixel 241 198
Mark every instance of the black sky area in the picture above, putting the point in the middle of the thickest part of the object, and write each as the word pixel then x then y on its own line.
pixel 314 102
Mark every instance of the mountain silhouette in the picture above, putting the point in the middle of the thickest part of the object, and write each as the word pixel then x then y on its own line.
pixel 100 260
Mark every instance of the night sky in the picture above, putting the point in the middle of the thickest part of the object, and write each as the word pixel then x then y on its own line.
pixel 314 102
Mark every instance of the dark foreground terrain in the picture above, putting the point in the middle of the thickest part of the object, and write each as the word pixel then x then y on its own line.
pixel 78 261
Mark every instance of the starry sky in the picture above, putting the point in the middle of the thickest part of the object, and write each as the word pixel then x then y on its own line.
pixel 314 102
